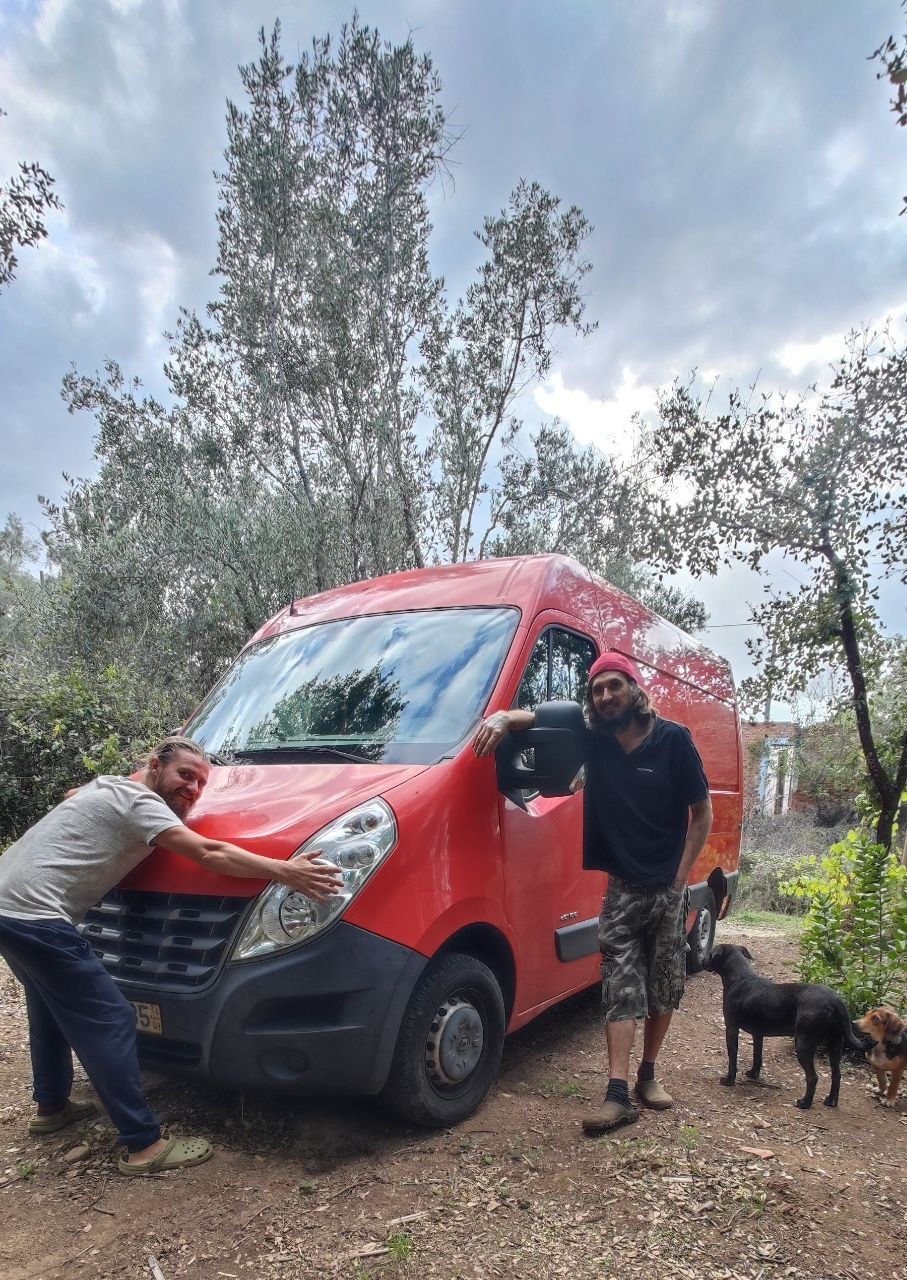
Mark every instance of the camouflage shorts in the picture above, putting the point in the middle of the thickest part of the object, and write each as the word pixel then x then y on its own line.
pixel 641 933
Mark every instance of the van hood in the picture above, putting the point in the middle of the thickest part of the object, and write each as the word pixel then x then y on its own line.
pixel 270 809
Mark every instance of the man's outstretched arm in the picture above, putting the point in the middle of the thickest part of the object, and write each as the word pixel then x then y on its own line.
pixel 315 879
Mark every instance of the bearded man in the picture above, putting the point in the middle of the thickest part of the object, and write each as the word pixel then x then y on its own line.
pixel 50 878
pixel 647 815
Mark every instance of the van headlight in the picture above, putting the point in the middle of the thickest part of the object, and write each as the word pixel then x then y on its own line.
pixel 357 843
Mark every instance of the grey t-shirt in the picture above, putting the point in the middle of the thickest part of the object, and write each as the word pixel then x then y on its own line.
pixel 66 862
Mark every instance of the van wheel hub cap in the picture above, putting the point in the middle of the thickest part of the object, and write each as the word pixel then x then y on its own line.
pixel 455 1041
pixel 705 929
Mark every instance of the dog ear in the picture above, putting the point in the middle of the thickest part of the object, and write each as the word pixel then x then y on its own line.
pixel 895 1025
pixel 746 952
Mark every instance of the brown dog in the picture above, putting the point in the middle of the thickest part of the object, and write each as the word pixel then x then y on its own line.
pixel 888 1056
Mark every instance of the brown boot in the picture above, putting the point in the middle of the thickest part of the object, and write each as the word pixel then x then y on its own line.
pixel 611 1116
pixel 651 1094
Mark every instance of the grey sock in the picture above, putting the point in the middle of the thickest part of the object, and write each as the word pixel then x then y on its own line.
pixel 618 1092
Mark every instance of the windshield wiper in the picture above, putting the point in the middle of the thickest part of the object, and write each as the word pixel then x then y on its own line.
pixel 308 749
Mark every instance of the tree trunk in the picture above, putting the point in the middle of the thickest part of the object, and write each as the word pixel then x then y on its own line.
pixel 888 790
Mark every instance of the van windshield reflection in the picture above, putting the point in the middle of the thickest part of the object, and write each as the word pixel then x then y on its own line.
pixel 394 687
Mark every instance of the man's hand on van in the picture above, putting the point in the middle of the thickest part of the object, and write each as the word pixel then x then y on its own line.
pixel 318 880
pixel 492 730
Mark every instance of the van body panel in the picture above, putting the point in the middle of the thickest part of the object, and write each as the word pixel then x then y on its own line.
pixel 446 864
pixel 270 810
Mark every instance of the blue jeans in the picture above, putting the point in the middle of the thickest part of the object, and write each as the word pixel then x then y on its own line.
pixel 74 1004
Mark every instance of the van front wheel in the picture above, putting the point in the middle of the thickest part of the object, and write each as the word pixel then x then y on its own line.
pixel 449 1047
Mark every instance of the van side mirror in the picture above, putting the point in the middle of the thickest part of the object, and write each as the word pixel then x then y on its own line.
pixel 556 739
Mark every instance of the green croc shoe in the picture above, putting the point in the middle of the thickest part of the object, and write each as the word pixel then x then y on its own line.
pixel 70 1113
pixel 179 1153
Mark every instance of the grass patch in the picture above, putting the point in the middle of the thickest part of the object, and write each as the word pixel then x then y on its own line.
pixel 400 1246
pixel 563 1089
pixel 791 926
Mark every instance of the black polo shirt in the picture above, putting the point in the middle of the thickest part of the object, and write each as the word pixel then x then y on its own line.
pixel 636 805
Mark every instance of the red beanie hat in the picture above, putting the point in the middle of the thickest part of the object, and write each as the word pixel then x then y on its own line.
pixel 615 662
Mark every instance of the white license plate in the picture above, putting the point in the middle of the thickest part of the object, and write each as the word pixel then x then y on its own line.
pixel 148 1018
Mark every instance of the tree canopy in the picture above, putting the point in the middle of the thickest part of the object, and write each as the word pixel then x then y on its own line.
pixel 821 481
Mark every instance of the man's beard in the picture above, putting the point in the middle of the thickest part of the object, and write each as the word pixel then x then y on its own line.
pixel 179 804
pixel 612 724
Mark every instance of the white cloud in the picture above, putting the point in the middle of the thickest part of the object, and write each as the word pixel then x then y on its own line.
pixel 843 156
pixel 159 272
pixel 815 356
pixel 797 356
pixel 606 423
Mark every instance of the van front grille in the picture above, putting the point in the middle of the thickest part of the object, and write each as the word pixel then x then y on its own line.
pixel 156 1053
pixel 175 940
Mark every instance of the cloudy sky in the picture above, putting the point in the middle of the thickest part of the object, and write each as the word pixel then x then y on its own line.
pixel 738 161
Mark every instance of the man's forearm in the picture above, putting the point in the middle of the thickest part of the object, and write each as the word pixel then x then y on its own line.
pixel 229 860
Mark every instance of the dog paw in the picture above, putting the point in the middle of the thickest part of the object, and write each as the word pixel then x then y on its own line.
pixel 753 1075
pixel 727 1080
pixel 830 1101
pixel 887 1102
pixel 803 1103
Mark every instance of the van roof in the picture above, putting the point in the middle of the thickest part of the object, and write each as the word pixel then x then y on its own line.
pixel 532 584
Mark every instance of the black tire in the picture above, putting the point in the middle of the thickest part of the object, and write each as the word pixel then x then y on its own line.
pixel 702 935
pixel 460 996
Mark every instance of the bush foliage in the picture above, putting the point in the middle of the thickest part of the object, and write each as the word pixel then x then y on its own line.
pixel 60 730
pixel 855 935
pixel 762 876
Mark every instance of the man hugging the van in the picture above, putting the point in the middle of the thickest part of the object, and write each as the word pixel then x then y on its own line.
pixel 647 816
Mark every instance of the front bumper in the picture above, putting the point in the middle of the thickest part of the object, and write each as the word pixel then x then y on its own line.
pixel 321 1019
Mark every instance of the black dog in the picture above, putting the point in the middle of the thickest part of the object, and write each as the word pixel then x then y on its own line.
pixel 815 1016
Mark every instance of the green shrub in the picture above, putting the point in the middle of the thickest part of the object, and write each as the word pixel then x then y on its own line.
pixel 855 935
pixel 58 731
pixel 762 875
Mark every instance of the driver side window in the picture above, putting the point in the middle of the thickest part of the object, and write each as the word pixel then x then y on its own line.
pixel 557 671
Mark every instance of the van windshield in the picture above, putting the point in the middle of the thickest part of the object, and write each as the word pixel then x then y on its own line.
pixel 393 687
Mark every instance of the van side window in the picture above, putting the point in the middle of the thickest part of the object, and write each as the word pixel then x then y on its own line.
pixel 558 669
pixel 534 685
pixel 571 658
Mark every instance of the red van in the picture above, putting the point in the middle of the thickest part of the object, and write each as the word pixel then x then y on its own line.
pixel 345 725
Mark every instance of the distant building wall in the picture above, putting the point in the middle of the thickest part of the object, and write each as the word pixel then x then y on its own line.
pixel 770 768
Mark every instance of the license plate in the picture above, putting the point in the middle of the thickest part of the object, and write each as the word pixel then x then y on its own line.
pixel 148 1018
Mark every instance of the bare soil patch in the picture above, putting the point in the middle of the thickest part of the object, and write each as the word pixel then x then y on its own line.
pixel 729 1183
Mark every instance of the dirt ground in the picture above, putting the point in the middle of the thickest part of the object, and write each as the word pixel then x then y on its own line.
pixel 729 1183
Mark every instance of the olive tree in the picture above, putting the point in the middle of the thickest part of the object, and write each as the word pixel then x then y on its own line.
pixel 25 201
pixel 822 482
pixel 333 416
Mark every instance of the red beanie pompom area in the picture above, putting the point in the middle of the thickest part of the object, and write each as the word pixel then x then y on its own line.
pixel 615 662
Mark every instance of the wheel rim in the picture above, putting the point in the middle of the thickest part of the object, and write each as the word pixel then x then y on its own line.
pixel 704 932
pixel 455 1042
